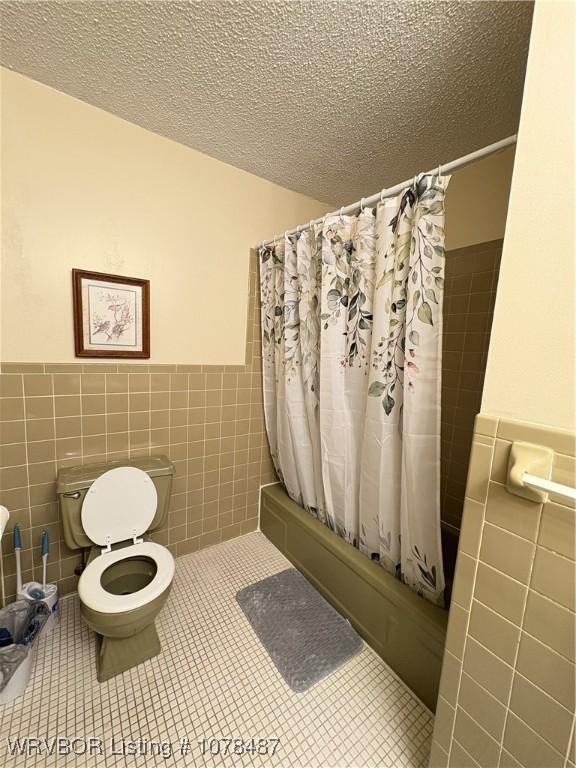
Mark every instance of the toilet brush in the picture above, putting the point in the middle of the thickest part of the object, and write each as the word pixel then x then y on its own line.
pixel 34 590
pixel 17 550
pixel 45 544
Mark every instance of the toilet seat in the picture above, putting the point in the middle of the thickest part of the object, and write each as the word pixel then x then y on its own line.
pixel 119 505
pixel 93 594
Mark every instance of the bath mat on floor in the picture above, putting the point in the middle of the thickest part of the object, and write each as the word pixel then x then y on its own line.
pixel 303 635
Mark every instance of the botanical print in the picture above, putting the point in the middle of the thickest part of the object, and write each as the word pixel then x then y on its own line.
pixel 351 346
pixel 413 278
pixel 112 315
pixel 349 277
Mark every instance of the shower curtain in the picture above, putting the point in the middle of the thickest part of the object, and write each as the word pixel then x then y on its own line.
pixel 351 348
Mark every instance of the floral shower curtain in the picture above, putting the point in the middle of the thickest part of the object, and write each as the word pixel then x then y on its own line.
pixel 351 347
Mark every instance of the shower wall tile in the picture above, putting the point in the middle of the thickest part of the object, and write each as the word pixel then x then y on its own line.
pixel 208 419
pixel 507 685
pixel 471 277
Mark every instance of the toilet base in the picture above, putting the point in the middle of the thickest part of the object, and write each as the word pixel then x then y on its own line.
pixel 115 655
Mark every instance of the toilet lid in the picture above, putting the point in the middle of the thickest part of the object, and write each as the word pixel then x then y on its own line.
pixel 119 505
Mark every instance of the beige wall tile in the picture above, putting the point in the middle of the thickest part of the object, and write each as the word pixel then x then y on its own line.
pixel 117 422
pixel 488 670
pixel 499 471
pixel 547 669
pixel 39 407
pixel 559 440
pixel 13 477
pixel 443 724
pixel 553 576
pixel 494 632
pixel 557 531
pixel 500 593
pixel 67 405
pixel 11 385
pixel 459 758
pixel 475 740
pixel 92 383
pixel 12 432
pixel 486 425
pixel 450 678
pixel 511 512
pixel 482 707
pixel 541 713
pixel 564 472
pixel 479 472
pixel 67 384
pixel 116 383
pixel 438 757
pixel 116 403
pixel 40 429
pixel 93 425
pixel 139 382
pixel 11 409
pixel 68 448
pixel 464 580
pixel 37 384
pixel 12 455
pixel 507 552
pixel 44 472
pixel 527 747
pixel 93 404
pixel 456 634
pixel 550 623
pixel 471 530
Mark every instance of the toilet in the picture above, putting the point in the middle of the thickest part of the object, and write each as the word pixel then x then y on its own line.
pixel 108 509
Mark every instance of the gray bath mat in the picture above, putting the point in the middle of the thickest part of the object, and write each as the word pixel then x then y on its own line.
pixel 303 635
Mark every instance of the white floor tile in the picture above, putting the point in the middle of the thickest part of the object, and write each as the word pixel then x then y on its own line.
pixel 214 680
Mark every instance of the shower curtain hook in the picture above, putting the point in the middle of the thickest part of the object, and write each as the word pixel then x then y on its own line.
pixel 439 170
pixel 382 193
pixel 362 205
pixel 341 214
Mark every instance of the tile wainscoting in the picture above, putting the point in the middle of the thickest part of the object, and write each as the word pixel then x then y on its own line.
pixel 471 279
pixel 208 419
pixel 508 676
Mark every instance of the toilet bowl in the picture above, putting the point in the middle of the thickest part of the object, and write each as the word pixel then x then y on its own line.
pixel 121 593
pixel 127 580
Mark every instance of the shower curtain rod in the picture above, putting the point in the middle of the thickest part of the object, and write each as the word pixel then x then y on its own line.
pixel 442 169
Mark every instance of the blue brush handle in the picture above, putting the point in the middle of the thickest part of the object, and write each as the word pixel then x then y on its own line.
pixel 44 543
pixel 17 539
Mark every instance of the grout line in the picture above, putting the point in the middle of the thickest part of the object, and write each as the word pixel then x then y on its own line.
pixel 570 740
pixel 467 753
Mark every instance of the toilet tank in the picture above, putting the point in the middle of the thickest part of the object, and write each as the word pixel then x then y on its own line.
pixel 73 484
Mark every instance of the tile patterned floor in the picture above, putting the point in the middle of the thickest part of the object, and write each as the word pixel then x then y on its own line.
pixel 213 680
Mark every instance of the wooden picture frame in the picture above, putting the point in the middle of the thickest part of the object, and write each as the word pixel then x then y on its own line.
pixel 111 315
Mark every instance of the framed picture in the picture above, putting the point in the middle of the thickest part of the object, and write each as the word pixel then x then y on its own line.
pixel 111 315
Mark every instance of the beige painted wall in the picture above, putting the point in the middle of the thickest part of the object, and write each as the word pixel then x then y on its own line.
pixel 83 188
pixel 477 201
pixel 531 363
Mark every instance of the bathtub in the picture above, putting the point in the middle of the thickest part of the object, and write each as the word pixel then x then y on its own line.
pixel 404 629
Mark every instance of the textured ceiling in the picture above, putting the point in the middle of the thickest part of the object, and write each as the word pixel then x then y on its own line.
pixel 332 99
